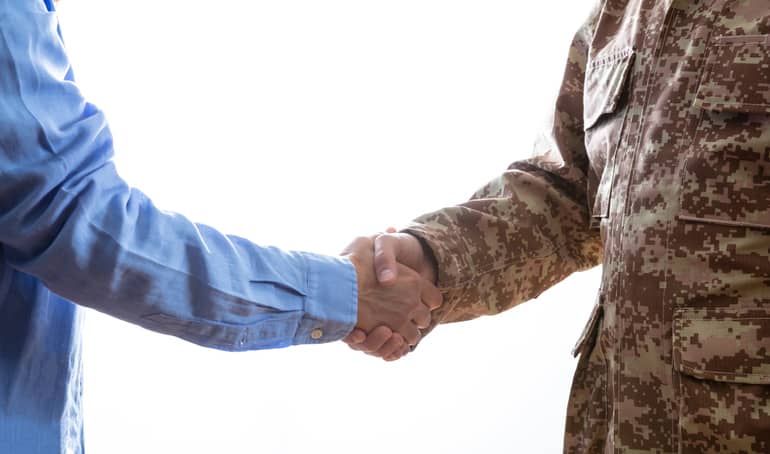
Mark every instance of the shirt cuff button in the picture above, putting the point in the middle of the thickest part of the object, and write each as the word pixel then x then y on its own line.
pixel 316 334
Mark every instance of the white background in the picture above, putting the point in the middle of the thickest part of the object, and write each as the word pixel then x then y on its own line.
pixel 302 123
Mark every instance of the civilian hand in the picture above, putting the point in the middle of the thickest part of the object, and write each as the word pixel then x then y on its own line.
pixel 381 342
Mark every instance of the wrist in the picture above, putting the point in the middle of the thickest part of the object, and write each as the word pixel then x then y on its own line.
pixel 357 267
pixel 429 266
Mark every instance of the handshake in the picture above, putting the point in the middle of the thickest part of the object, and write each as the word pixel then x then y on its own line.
pixel 396 293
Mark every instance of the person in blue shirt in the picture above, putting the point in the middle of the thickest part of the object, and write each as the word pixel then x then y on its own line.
pixel 73 233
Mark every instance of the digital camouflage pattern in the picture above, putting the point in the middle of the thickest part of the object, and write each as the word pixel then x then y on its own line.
pixel 657 165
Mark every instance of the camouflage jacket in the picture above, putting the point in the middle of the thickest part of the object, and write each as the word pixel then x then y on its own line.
pixel 657 165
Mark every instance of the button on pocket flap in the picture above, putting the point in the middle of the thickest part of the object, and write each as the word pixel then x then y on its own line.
pixel 604 83
pixel 723 345
pixel 737 75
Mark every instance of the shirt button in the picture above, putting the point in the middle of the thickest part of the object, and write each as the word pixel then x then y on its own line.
pixel 316 334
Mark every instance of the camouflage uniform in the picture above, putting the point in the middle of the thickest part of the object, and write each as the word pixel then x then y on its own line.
pixel 657 165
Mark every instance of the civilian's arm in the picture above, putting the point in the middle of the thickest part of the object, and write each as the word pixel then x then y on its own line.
pixel 67 218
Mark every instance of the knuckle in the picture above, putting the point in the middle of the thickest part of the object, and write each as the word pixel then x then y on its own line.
pixel 381 238
pixel 368 348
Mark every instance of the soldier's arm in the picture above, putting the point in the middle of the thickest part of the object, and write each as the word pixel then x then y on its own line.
pixel 527 229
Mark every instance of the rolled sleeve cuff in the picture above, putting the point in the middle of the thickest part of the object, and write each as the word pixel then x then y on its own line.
pixel 450 250
pixel 331 304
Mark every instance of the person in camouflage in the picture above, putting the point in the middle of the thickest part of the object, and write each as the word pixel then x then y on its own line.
pixel 657 166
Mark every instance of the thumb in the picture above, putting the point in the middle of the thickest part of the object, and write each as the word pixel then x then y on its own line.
pixel 385 252
pixel 356 336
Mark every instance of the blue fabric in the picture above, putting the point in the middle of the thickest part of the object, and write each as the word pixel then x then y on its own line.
pixel 71 230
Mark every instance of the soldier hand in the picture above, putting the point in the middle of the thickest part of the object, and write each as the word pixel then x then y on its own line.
pixel 391 248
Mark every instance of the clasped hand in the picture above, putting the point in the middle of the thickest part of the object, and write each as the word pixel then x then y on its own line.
pixel 396 293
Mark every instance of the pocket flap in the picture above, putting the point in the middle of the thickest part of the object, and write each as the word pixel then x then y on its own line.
pixel 737 75
pixel 605 79
pixel 590 331
pixel 723 345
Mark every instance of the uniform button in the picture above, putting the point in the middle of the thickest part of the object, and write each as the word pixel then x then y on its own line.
pixel 316 334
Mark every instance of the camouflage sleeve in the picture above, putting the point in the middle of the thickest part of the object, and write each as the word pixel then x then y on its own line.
pixel 529 228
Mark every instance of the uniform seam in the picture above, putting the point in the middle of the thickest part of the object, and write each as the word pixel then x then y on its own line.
pixel 731 104
pixel 688 370
pixel 679 173
pixel 646 81
pixel 724 320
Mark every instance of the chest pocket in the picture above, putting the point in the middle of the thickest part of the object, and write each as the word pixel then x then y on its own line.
pixel 721 340
pixel 726 178
pixel 604 111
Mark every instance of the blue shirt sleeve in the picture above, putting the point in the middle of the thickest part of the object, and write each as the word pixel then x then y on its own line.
pixel 67 218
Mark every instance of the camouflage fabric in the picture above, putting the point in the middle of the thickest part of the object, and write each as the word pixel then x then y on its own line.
pixel 657 165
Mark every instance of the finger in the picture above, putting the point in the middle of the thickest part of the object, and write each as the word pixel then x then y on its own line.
pixel 385 252
pixel 391 230
pixel 355 337
pixel 393 345
pixel 410 333
pixel 376 339
pixel 398 354
pixel 372 340
pixel 356 347
pixel 421 316
pixel 431 296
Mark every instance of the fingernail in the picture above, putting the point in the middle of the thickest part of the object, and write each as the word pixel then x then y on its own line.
pixel 386 275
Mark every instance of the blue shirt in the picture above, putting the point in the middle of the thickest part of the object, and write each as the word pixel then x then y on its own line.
pixel 71 230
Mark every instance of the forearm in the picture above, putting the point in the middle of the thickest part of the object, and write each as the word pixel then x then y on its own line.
pixel 493 253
